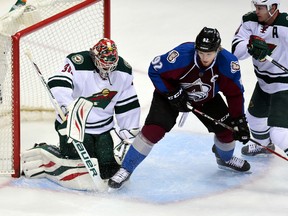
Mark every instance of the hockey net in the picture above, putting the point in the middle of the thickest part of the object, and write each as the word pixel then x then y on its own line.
pixel 49 30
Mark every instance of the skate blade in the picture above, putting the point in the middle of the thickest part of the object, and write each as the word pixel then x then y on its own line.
pixel 262 155
pixel 233 170
pixel 113 190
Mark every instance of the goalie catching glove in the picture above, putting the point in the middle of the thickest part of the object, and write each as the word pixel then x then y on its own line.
pixel 241 129
pixel 122 142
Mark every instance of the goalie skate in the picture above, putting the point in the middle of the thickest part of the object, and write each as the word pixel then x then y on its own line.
pixel 119 179
pixel 253 149
pixel 235 163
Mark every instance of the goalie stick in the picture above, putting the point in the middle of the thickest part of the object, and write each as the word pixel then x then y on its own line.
pixel 233 130
pixel 51 96
pixel 79 112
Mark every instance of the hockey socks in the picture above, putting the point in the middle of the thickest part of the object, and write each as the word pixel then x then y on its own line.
pixel 137 152
pixel 224 155
pixel 224 150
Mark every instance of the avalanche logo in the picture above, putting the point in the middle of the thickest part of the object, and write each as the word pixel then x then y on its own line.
pixel 197 91
pixel 102 99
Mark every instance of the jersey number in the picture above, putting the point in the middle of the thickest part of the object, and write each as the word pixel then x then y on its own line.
pixel 157 64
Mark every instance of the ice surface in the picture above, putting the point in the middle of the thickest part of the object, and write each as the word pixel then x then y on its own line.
pixel 180 176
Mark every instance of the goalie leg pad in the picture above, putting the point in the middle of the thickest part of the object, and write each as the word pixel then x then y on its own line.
pixel 46 161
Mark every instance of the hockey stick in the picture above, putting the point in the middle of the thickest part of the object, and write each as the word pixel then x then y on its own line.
pixel 232 129
pixel 51 96
pixel 270 59
pixel 81 150
pixel 183 119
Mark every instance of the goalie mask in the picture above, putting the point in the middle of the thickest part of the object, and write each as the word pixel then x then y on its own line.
pixel 105 56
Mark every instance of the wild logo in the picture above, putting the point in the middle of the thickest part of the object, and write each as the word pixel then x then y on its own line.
pixel 102 99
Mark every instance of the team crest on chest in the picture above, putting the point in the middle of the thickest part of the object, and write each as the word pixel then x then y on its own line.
pixel 197 91
pixel 103 98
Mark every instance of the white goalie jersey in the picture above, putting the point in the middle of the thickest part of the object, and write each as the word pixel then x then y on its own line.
pixel 270 78
pixel 114 97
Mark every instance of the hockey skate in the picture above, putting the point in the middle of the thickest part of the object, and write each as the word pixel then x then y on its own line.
pixel 117 181
pixel 235 163
pixel 253 149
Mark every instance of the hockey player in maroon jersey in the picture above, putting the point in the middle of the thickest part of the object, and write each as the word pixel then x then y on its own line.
pixel 195 73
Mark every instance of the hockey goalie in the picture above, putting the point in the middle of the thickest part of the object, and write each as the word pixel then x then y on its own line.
pixel 94 90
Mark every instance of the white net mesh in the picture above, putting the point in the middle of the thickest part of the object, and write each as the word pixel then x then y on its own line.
pixel 48 45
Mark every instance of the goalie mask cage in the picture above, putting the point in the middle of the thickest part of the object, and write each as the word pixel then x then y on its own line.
pixel 49 30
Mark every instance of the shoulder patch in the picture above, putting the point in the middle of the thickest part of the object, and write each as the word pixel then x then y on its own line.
pixel 77 59
pixel 235 66
pixel 82 60
pixel 124 66
pixel 172 56
pixel 127 64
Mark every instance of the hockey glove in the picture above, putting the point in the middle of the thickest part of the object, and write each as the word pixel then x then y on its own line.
pixel 128 135
pixel 241 129
pixel 258 48
pixel 122 142
pixel 61 127
pixel 62 132
pixel 178 100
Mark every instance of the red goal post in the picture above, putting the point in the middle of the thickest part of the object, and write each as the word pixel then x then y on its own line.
pixel 49 30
